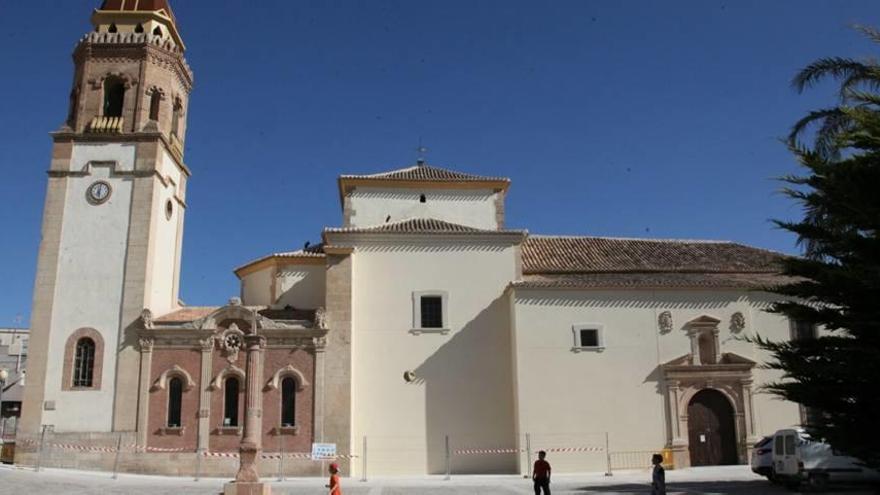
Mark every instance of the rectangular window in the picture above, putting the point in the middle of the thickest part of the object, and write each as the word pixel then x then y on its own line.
pixel 432 311
pixel 777 445
pixel 588 337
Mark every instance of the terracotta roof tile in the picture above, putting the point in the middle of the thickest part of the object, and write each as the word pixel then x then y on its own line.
pixel 419 226
pixel 544 254
pixel 138 6
pixel 656 280
pixel 193 313
pixel 188 313
pixel 426 173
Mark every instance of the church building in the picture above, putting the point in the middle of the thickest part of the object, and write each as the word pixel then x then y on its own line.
pixel 420 331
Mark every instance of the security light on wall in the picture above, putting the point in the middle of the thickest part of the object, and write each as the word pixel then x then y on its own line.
pixel 409 376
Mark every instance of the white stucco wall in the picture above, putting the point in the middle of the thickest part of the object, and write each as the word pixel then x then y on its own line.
pixel 464 383
pixel 88 291
pixel 166 233
pixel 300 286
pixel 256 287
pixel 475 208
pixel 567 396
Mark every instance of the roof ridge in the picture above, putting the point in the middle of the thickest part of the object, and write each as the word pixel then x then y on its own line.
pixel 642 239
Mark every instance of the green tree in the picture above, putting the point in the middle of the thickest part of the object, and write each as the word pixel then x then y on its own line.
pixel 836 284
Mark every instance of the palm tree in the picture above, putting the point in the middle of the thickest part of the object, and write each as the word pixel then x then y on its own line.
pixel 855 76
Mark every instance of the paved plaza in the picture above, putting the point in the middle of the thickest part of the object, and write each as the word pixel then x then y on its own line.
pixel 713 480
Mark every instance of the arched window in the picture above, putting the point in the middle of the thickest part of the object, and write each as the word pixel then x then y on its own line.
pixel 114 97
pixel 422 199
pixel 155 98
pixel 139 28
pixel 175 117
pixel 157 31
pixel 84 363
pixel 230 401
pixel 175 402
pixel 113 28
pixel 288 401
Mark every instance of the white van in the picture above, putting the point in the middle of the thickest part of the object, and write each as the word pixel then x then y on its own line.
pixel 798 458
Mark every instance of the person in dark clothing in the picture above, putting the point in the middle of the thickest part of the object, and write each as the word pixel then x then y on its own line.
pixel 541 474
pixel 658 476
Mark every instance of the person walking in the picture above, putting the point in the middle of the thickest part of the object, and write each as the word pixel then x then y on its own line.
pixel 335 488
pixel 658 476
pixel 541 474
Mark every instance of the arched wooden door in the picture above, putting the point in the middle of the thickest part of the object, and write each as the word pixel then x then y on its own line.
pixel 711 429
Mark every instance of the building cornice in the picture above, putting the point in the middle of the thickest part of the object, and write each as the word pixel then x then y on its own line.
pixel 66 135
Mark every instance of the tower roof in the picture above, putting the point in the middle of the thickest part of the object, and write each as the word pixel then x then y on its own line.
pixel 114 11
pixel 138 6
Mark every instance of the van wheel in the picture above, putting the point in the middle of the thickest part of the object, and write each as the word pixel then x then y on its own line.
pixel 771 477
pixel 818 481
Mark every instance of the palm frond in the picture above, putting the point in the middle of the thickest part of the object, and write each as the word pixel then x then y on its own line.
pixel 869 32
pixel 836 67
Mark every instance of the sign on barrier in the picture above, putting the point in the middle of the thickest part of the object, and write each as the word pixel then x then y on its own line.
pixel 323 451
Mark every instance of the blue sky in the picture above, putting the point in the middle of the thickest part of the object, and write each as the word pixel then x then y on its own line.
pixel 613 118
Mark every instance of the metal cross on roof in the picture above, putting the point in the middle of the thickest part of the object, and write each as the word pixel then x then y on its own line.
pixel 422 151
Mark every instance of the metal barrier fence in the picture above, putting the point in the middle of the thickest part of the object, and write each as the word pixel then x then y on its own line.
pixel 447 455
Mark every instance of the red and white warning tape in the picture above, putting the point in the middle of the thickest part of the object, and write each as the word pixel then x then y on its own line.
pixel 487 451
pixel 516 451
pixel 575 449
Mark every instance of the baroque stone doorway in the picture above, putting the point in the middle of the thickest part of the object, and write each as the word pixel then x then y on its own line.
pixel 711 429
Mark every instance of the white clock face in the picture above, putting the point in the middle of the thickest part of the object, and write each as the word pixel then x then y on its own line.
pixel 99 192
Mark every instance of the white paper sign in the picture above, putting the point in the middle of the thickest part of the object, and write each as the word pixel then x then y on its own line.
pixel 323 451
pixel 702 438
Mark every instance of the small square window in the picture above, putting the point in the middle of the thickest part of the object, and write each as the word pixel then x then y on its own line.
pixel 432 311
pixel 803 330
pixel 587 337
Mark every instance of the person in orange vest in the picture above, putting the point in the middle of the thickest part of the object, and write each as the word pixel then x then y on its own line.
pixel 541 474
pixel 335 488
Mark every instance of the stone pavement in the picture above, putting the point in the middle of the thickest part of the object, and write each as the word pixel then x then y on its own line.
pixel 712 480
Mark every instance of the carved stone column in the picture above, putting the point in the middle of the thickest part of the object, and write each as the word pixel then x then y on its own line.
pixel 247 480
pixel 146 348
pixel 207 347
pixel 674 414
pixel 318 389
pixel 748 409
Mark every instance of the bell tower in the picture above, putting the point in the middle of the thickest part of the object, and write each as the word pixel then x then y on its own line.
pixel 112 220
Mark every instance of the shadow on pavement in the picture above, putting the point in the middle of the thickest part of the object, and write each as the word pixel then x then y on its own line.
pixel 717 487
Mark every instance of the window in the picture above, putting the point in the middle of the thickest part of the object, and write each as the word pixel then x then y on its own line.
pixel 155 100
pixel 157 31
pixel 587 337
pixel 139 28
pixel 84 363
pixel 432 312
pixel 423 199
pixel 74 102
pixel 175 400
pixel 288 401
pixel 230 402
pixel 802 330
pixel 113 29
pixel 114 97
pixel 175 117
pixel 706 342
pixel 777 445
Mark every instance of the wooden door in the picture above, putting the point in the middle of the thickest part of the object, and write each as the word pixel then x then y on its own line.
pixel 711 430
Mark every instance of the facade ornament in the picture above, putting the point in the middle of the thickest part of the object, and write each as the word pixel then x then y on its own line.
pixel 321 318
pixel 147 318
pixel 319 342
pixel 235 301
pixel 174 371
pixel 231 342
pixel 737 322
pixel 146 344
pixel 664 321
pixel 275 381
pixel 207 344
